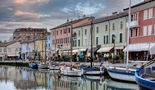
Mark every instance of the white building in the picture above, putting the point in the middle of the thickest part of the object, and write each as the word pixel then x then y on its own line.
pixel 108 34
pixel 13 50
pixel 3 51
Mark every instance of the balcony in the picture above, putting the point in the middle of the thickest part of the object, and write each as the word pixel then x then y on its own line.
pixel 133 24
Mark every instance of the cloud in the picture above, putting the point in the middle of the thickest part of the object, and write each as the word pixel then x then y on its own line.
pixel 30 1
pixel 26 13
pixel 50 13
pixel 88 8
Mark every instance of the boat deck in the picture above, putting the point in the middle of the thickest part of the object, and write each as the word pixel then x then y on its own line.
pixel 150 76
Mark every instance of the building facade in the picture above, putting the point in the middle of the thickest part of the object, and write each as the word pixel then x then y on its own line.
pixel 13 50
pixel 25 34
pixel 61 35
pixel 142 31
pixel 3 50
pixel 108 35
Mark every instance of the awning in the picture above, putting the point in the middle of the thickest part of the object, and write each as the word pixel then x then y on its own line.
pixel 119 47
pixel 79 50
pixel 105 49
pixel 141 47
pixel 94 49
pixel 75 50
pixel 82 50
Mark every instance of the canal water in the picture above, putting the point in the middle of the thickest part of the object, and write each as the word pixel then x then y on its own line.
pixel 22 78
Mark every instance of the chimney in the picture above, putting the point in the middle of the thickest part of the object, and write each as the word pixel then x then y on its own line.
pixel 114 13
pixel 67 20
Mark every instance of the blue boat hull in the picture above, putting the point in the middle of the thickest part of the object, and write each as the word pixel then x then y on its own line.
pixel 145 84
pixel 33 66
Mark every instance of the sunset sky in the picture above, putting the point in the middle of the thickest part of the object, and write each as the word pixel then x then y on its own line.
pixel 49 13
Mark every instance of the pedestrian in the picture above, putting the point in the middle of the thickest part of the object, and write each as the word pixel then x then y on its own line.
pixel 81 56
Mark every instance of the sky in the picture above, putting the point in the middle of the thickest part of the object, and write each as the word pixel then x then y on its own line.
pixel 50 13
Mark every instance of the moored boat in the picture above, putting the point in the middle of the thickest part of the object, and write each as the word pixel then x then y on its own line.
pixel 94 71
pixel 68 71
pixel 54 67
pixel 43 66
pixel 145 77
pixel 122 73
pixel 33 65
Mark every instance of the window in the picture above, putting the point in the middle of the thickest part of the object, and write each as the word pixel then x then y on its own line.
pixel 97 40
pixel 121 25
pixel 57 32
pixel 150 30
pixel 64 40
pixel 106 27
pixel 97 30
pixel 150 12
pixel 145 14
pixel 86 42
pixel 69 30
pixel 120 38
pixel 113 26
pixel 107 39
pixel 104 39
pixel 113 38
pixel 78 42
pixel 132 17
pixel 85 31
pixel 65 31
pixel 61 32
pixel 4 49
pixel 0 49
pixel 75 43
pixel 79 32
pixel 145 30
pixel 69 40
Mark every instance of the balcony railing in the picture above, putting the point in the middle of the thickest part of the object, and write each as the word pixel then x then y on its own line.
pixel 133 24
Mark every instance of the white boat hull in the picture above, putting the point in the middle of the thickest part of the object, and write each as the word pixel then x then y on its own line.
pixel 43 66
pixel 54 67
pixel 74 72
pixel 93 72
pixel 119 75
pixel 94 78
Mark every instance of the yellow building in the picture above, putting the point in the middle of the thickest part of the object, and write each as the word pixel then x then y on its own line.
pixel 40 49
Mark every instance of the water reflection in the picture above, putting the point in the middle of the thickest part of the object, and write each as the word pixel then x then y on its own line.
pixel 12 78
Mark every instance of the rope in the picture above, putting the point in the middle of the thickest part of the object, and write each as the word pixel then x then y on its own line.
pixel 149 63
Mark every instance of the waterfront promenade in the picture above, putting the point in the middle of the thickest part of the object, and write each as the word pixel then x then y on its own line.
pixel 25 63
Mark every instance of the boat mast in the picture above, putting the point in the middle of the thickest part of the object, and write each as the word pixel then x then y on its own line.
pixel 71 39
pixel 45 45
pixel 128 36
pixel 91 35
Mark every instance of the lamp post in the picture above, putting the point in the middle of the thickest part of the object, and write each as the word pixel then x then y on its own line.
pixel 114 39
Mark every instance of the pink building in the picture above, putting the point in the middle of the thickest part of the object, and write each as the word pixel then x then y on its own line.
pixel 61 35
pixel 142 31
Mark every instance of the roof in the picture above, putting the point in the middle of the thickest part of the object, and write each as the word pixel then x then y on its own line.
pixel 107 18
pixel 30 30
pixel 69 23
pixel 115 16
pixel 139 4
pixel 4 44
